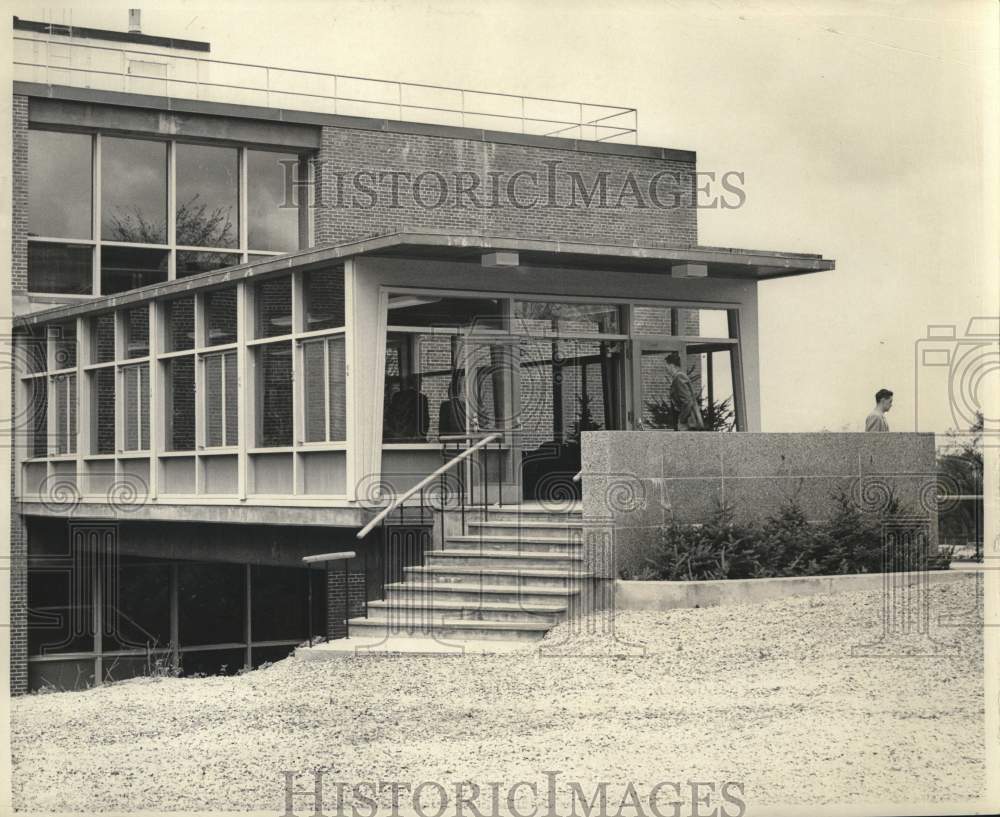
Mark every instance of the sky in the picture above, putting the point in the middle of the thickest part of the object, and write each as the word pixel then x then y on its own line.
pixel 867 131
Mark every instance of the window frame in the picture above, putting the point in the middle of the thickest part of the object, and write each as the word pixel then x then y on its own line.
pixel 243 253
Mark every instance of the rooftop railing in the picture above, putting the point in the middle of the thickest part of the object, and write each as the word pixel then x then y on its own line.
pixel 54 60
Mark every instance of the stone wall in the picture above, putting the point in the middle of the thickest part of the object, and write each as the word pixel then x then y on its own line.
pixel 635 482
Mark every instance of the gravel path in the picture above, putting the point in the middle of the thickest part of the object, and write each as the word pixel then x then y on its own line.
pixel 765 694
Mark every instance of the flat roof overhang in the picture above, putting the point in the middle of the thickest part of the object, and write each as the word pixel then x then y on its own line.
pixel 721 262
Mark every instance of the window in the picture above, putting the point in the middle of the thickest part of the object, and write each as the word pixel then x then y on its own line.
pixel 135 420
pixel 220 308
pixel 102 330
pixel 64 337
pixel 134 241
pixel 325 387
pixel 566 319
pixel 683 321
pixel 60 268
pixel 133 190
pixel 137 331
pixel 125 268
pixel 324 299
pixel 273 301
pixel 274 394
pixel 180 404
pixel 221 400
pixel 39 408
pixel 273 214
pixel 445 312
pixel 180 324
pixel 207 196
pixel 64 386
pixel 103 395
pixel 59 185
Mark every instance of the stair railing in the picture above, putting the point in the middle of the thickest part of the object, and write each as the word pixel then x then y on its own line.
pixel 414 555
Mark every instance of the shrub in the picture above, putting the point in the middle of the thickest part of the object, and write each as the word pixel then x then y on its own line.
pixel 784 544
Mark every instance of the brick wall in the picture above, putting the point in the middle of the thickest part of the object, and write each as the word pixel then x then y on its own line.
pixel 19 170
pixel 345 212
pixel 338 585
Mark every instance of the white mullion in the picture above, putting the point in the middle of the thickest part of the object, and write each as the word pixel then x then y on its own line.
pixel 244 387
pixel 172 210
pixel 298 381
pixel 156 411
pixel 119 321
pixel 243 209
pixel 326 390
pixel 96 215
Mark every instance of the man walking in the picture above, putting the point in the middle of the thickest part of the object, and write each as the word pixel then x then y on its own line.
pixel 682 396
pixel 876 420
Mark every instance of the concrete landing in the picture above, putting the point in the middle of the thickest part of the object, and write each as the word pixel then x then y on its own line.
pixel 394 646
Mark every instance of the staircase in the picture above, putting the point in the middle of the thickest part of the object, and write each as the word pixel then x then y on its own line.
pixel 515 573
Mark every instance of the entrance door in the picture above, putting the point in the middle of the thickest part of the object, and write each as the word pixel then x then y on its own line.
pixel 652 407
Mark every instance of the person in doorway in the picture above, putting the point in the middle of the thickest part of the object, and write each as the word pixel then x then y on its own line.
pixel 682 396
pixel 876 420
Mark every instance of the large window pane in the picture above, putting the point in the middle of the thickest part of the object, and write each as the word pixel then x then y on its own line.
pixel 102 329
pixel 66 269
pixel 338 390
pixel 324 294
pixel 566 319
pixel 136 409
pixel 207 197
pixel 315 391
pixel 64 337
pixel 280 608
pixel 221 424
pixel 180 404
pixel 104 411
pixel 137 607
pixel 60 611
pixel 125 268
pixel 273 304
pixel 690 322
pixel 190 262
pixel 60 197
pixel 710 367
pixel 133 190
pixel 180 324
pixel 442 312
pixel 65 431
pixel 274 394
pixel 421 379
pixel 39 418
pixel 220 308
pixel 273 222
pixel 137 331
pixel 211 602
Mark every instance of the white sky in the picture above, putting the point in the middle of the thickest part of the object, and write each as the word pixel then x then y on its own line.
pixel 867 132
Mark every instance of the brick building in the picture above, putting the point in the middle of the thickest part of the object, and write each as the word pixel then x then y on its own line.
pixel 248 313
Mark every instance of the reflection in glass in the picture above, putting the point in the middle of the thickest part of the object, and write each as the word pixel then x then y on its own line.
pixel 274 394
pixel 133 190
pixel 180 323
pixel 103 391
pixel 433 311
pixel 548 318
pixel 207 196
pixel 190 262
pixel 136 408
pixel 65 432
pixel 64 337
pixel 689 322
pixel 221 423
pixel 60 268
pixel 273 299
pixel 60 195
pixel 125 268
pixel 137 332
pixel 220 307
pixel 325 390
pixel 102 333
pixel 272 223
pixel 324 299
pixel 180 396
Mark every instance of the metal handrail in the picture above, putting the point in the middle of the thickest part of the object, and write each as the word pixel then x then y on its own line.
pixel 577 476
pixel 426 481
pixel 610 131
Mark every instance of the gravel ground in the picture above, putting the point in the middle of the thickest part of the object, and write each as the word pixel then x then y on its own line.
pixel 767 694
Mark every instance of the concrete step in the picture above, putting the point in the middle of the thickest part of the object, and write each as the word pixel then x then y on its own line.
pixel 451 629
pixel 391 648
pixel 434 610
pixel 512 542
pixel 514 576
pixel 524 515
pixel 475 592
pixel 527 530
pixel 490 557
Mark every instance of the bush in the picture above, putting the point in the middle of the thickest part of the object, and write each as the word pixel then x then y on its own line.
pixel 785 544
